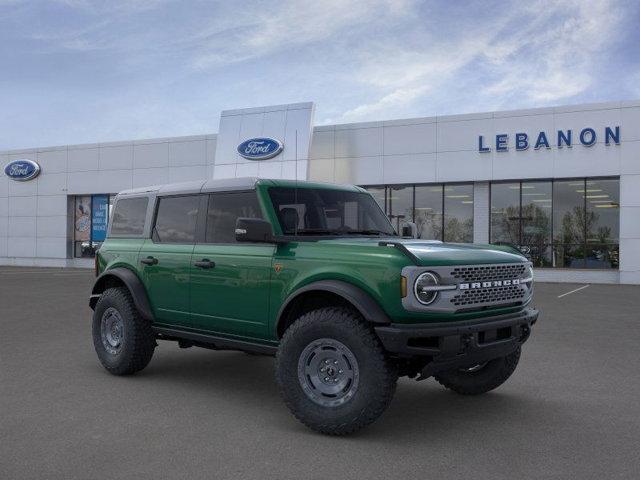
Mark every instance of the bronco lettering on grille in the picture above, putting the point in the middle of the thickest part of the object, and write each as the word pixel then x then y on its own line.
pixel 493 283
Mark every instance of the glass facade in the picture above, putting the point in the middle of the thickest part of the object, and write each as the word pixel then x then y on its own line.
pixel 561 223
pixel 440 211
pixel 90 221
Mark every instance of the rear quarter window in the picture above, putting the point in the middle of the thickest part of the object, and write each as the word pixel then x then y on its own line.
pixel 129 216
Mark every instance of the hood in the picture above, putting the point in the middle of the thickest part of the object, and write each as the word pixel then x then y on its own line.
pixel 433 253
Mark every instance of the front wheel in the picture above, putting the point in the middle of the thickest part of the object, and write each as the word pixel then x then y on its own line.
pixel 480 378
pixel 333 372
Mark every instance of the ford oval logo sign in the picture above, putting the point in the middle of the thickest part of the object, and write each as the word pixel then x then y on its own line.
pixel 22 170
pixel 260 148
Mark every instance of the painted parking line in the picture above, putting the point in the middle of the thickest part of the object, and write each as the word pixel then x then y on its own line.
pixel 573 291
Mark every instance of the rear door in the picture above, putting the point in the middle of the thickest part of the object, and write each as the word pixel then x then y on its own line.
pixel 230 281
pixel 165 258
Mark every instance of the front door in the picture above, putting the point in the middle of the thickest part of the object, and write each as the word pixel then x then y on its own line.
pixel 165 259
pixel 230 281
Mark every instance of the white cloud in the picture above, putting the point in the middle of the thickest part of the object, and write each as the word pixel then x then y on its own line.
pixel 544 52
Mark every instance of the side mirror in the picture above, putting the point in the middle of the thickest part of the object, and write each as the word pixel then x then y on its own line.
pixel 410 229
pixel 253 230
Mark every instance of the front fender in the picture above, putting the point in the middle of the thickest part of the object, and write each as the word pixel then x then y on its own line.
pixel 361 300
pixel 133 284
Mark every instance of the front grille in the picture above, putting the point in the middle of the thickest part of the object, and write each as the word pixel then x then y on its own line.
pixel 488 272
pixel 494 295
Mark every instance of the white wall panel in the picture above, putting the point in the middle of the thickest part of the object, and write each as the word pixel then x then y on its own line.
pixel 117 157
pixel 51 205
pixel 83 159
pixel 188 153
pixel 22 206
pixel 462 166
pixel 361 171
pixel 184 174
pixel 359 142
pixel 630 124
pixel 420 138
pixel 4 206
pixel 463 135
pixel 322 144
pixel 143 177
pixel 52 161
pixel 52 226
pixel 52 183
pixel 630 157
pixel 406 168
pixel 21 246
pixel 322 170
pixel 151 155
pixel 22 189
pixel 22 227
pixel 51 247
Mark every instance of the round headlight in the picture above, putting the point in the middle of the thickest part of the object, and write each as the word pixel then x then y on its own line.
pixel 421 288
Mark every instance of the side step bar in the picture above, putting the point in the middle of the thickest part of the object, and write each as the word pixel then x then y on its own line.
pixel 214 342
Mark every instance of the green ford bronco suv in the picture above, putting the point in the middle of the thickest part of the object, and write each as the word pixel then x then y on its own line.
pixel 316 275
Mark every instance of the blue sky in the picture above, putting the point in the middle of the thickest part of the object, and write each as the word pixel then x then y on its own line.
pixel 77 71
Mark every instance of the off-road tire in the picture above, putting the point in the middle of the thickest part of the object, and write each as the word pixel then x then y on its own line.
pixel 377 374
pixel 138 341
pixel 487 378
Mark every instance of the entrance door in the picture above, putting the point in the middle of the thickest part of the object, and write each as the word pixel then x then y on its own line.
pixel 165 259
pixel 230 281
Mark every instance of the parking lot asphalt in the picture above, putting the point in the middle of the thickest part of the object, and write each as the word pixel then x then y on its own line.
pixel 571 410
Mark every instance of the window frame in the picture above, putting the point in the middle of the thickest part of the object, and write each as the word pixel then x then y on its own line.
pixel 117 200
pixel 553 243
pixel 156 208
pixel 203 217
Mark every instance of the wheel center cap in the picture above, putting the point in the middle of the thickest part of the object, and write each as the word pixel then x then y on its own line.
pixel 331 371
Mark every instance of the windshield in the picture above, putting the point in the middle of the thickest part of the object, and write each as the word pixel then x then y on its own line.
pixel 316 211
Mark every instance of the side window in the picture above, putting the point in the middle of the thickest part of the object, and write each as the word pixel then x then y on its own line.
pixel 224 209
pixel 128 216
pixel 176 219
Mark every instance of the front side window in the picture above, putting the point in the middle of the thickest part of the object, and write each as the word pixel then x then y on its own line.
pixel 224 209
pixel 311 211
pixel 176 219
pixel 128 216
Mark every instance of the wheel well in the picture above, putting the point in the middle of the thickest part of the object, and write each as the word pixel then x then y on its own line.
pixel 307 302
pixel 109 281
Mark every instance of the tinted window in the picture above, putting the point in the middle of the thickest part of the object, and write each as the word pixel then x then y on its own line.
pixel 224 209
pixel 458 213
pixel 505 213
pixel 128 216
pixel 428 210
pixel 176 219
pixel 400 205
pixel 321 211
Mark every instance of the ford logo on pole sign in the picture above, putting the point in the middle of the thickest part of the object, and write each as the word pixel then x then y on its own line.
pixel 260 148
pixel 22 170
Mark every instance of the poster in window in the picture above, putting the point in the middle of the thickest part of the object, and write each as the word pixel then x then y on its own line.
pixel 99 217
pixel 82 229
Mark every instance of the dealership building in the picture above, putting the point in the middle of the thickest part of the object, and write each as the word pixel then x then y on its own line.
pixel 561 183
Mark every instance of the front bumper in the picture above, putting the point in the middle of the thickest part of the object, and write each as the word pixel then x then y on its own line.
pixel 450 345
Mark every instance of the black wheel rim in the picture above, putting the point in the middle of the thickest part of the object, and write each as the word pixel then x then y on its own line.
pixel 328 372
pixel 111 330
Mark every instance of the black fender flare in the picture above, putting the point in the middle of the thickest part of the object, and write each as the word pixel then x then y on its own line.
pixel 133 284
pixel 361 300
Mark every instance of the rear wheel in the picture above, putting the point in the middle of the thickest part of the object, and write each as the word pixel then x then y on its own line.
pixel 481 378
pixel 122 339
pixel 333 373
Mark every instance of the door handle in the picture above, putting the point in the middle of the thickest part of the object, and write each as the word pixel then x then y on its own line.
pixel 149 260
pixel 205 263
